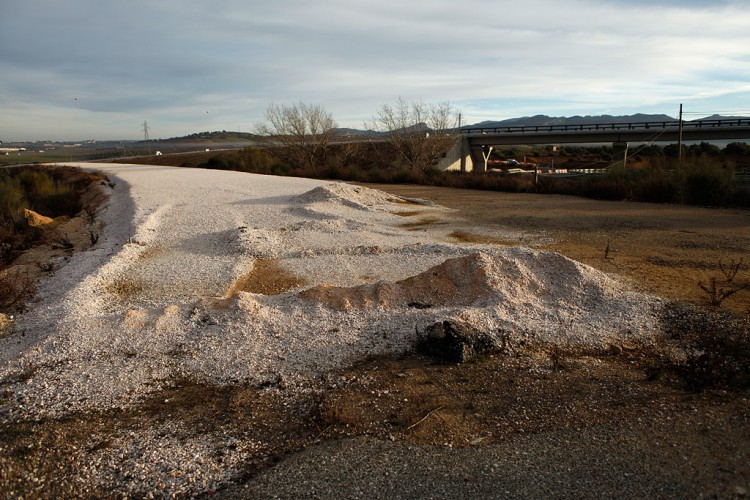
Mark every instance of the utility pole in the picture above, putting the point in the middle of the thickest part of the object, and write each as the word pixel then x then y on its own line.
pixel 679 139
pixel 145 136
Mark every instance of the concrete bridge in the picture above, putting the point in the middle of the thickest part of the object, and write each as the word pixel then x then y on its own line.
pixel 472 150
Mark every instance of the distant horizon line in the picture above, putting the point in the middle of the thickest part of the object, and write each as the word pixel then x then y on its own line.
pixel 526 117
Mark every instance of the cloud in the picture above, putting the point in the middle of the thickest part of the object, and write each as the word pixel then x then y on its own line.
pixel 171 61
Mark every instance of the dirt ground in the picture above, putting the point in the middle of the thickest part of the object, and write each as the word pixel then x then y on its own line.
pixel 699 439
pixel 661 249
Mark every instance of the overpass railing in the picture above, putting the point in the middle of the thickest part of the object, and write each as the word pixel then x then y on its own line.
pixel 606 127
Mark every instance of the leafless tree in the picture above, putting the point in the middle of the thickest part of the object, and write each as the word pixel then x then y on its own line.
pixel 304 132
pixel 419 132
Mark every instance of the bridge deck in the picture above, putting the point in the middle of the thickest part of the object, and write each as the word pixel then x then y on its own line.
pixel 738 128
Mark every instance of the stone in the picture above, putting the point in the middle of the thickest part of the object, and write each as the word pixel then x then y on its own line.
pixel 614 349
pixel 34 219
pixel 455 342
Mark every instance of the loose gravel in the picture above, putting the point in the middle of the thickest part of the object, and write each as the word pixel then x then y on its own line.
pixel 144 305
pixel 155 299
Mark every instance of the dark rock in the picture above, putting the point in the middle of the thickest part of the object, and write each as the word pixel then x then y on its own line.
pixel 455 342
pixel 614 350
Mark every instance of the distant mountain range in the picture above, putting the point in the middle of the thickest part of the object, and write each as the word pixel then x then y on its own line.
pixel 544 120
pixel 526 121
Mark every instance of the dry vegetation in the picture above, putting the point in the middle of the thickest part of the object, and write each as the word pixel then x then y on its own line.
pixel 63 202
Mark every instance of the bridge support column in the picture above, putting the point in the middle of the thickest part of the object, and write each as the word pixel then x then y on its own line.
pixel 486 152
pixel 480 156
pixel 619 154
pixel 464 152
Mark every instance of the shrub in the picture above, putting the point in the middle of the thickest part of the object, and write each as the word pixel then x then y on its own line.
pixel 704 181
pixel 719 289
pixel 15 289
pixel 737 149
pixel 606 188
pixel 656 186
pixel 707 184
pixel 716 346
pixel 46 195
pixel 12 199
pixel 740 197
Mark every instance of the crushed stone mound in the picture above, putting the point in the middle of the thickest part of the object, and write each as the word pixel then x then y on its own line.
pixel 357 197
pixel 455 282
pixel 521 279
pixel 88 345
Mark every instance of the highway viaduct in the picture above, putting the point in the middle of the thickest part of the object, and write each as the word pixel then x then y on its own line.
pixel 472 150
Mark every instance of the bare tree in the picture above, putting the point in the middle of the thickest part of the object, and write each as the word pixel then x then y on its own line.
pixel 419 132
pixel 304 131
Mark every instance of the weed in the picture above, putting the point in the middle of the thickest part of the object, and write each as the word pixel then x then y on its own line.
pixel 716 345
pixel 718 289
pixel 47 267
pixel 16 288
pixel 62 242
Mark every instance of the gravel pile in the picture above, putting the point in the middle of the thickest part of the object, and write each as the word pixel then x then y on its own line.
pixel 151 302
pixel 141 307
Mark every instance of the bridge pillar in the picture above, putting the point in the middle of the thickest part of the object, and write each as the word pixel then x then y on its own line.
pixel 464 152
pixel 479 157
pixel 619 154
pixel 457 158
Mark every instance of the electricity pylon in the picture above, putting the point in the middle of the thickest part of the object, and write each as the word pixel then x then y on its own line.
pixel 145 136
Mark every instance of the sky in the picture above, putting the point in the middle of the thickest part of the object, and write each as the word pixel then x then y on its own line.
pixel 99 69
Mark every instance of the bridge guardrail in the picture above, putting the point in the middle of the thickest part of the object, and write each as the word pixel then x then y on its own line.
pixel 605 127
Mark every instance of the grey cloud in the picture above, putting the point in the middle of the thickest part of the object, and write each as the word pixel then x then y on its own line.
pixel 170 59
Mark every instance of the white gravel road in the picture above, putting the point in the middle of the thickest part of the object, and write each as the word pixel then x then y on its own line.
pixel 150 301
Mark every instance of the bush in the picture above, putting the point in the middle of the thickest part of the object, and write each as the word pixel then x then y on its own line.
pixel 656 187
pixel 47 195
pixel 741 197
pixel 606 188
pixel 737 149
pixel 705 181
pixel 716 345
pixel 50 192
pixel 15 289
pixel 12 199
pixel 707 184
